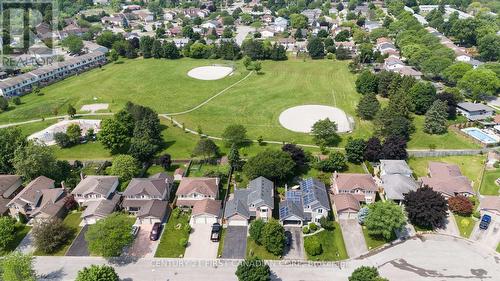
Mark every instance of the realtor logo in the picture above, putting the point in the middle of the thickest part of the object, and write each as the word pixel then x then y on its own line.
pixel 28 30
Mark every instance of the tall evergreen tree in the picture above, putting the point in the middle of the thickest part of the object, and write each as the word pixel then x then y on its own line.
pixel 368 106
pixel 435 118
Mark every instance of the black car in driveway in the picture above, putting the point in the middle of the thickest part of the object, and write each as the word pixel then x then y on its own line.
pixel 155 232
pixel 215 234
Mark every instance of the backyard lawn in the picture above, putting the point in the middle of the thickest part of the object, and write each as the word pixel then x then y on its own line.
pixel 498 248
pixel 465 225
pixel 332 243
pixel 488 185
pixel 470 165
pixel 373 242
pixel 174 231
pixel 259 251
pixel 72 221
pixel 20 231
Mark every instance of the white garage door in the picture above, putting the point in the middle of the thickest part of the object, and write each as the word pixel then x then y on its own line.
pixel 238 222
pixel 90 220
pixel 204 220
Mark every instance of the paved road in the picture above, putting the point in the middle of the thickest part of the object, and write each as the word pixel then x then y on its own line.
pixel 490 237
pixel 242 32
pixel 355 243
pixel 199 244
pixel 235 242
pixel 79 248
pixel 431 258
pixel 296 249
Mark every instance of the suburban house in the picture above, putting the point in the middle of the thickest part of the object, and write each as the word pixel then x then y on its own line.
pixel 396 179
pixel 255 201
pixel 280 24
pixel 392 63
pixel 9 185
pixel 346 206
pixel 142 190
pixel 409 71
pixel 362 186
pixel 206 211
pixel 309 203
pixel 99 209
pixel 94 188
pixel 39 200
pixel 152 211
pixel 475 111
pixel 447 179
pixel 192 190
pixel 490 205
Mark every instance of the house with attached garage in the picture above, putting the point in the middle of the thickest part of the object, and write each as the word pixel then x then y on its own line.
pixel 95 188
pixel 396 179
pixel 361 186
pixel 475 111
pixel 99 209
pixel 346 206
pixel 39 200
pixel 307 204
pixel 192 190
pixel 206 211
pixel 141 192
pixel 254 202
pixel 9 186
pixel 448 180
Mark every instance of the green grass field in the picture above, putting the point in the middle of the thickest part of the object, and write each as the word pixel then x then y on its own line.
pixel 373 242
pixel 20 232
pixel 169 246
pixel 488 185
pixel 465 225
pixel 255 103
pixel 255 250
pixel 333 245
pixel 471 166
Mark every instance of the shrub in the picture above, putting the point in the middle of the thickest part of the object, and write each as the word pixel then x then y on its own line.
pixel 326 224
pixel 183 242
pixel 313 227
pixel 305 230
pixel 460 205
pixel 313 246
pixel 176 213
pixel 476 214
pixel 256 230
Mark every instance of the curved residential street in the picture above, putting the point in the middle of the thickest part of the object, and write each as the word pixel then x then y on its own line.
pixel 430 257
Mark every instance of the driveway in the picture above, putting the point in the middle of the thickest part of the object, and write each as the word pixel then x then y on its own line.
pixel 242 32
pixel 79 248
pixel 235 242
pixel 450 226
pixel 296 249
pixel 27 244
pixel 143 247
pixel 354 240
pixel 489 237
pixel 199 244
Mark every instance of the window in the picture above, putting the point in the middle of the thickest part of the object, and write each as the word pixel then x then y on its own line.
pixel 320 211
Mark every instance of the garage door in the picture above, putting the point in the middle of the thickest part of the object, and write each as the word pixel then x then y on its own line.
pixel 238 222
pixel 204 220
pixel 292 223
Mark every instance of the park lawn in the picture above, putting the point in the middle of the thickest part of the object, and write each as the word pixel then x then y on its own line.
pixel 30 128
pixel 373 242
pixel 19 233
pixel 488 184
pixel 169 246
pixel 465 225
pixel 220 249
pixel 72 221
pixel 450 140
pixel 471 166
pixel 160 84
pixel 254 250
pixel 87 151
pixel 333 245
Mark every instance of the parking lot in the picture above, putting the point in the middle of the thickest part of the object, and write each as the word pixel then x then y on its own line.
pixel 235 242
pixel 199 245
pixel 296 249
pixel 489 237
pixel 143 247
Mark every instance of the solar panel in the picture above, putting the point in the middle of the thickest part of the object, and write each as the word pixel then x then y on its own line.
pixel 284 212
pixel 294 195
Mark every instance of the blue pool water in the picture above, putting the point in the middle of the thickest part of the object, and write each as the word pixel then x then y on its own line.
pixel 480 135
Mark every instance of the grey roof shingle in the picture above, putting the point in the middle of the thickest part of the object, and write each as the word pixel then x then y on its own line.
pixel 96 184
pixel 262 191
pixel 396 186
pixel 395 167
pixel 146 186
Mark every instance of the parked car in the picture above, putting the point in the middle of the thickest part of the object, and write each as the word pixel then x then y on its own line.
pixel 135 230
pixel 288 238
pixel 215 234
pixel 485 222
pixel 155 232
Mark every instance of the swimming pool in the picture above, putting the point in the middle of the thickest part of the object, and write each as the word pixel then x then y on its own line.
pixel 481 136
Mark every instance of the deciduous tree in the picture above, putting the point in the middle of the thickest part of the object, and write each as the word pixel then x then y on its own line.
pixel 273 237
pixel 7 228
pixel 426 207
pixel 355 150
pixel 108 237
pixel 235 134
pixel 461 205
pixel 384 217
pixel 49 235
pixel 34 160
pixel 125 167
pixel 325 132
pixel 17 266
pixel 253 269
pixel 272 164
pixel 97 272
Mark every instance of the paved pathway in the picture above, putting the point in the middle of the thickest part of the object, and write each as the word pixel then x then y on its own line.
pixel 27 244
pixel 450 226
pixel 431 258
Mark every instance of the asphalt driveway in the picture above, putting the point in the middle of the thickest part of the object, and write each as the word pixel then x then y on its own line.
pixel 79 248
pixel 199 244
pixel 489 237
pixel 353 238
pixel 296 249
pixel 235 242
